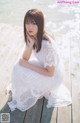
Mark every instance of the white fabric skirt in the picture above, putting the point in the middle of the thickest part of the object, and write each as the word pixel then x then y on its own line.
pixel 28 86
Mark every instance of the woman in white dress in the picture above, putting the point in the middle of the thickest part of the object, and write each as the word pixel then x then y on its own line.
pixel 40 74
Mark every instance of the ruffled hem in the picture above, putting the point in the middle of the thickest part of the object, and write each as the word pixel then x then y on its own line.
pixel 59 104
pixel 59 98
pixel 12 105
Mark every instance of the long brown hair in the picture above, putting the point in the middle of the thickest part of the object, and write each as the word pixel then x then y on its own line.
pixel 38 17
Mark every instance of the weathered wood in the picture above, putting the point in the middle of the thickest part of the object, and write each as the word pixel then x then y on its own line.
pixel 75 78
pixel 64 113
pixel 4 108
pixel 33 115
pixel 76 100
pixel 4 103
pixel 48 114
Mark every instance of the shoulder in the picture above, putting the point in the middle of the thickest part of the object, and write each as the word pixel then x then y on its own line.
pixel 49 44
pixel 50 47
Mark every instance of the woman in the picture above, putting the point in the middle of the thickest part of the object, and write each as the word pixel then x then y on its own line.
pixel 40 74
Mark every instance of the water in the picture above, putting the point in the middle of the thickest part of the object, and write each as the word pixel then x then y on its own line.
pixel 14 11
pixel 60 19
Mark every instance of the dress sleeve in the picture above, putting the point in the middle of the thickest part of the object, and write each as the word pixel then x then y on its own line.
pixel 51 57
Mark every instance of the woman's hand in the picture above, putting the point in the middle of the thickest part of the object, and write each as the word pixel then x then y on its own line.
pixel 31 40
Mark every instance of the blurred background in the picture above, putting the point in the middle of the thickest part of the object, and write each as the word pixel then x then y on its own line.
pixel 58 16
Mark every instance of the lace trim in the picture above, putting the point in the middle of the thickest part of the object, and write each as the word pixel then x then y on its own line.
pixel 50 56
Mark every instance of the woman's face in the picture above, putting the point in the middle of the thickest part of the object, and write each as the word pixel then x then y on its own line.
pixel 31 27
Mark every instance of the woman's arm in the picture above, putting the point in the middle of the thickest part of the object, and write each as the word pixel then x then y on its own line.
pixel 27 53
pixel 49 71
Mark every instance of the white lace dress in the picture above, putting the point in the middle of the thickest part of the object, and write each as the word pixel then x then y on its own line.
pixel 28 86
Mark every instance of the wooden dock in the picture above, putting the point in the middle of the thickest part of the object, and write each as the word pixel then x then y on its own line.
pixel 39 113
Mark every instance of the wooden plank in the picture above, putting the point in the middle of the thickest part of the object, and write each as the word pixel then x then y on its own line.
pixel 75 77
pixel 33 115
pixel 4 102
pixel 76 99
pixel 4 108
pixel 48 114
pixel 64 113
